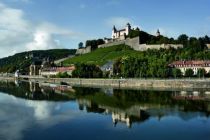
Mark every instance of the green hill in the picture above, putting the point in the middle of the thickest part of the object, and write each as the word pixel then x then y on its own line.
pixel 23 60
pixel 103 55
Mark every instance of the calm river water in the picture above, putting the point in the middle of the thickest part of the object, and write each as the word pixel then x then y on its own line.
pixel 31 111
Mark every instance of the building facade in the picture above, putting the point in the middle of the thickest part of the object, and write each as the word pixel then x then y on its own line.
pixel 195 65
pixel 122 33
pixel 52 71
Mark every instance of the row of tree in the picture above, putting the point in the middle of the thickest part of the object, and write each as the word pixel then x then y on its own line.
pixel 132 67
pixel 201 72
pixel 22 61
pixel 87 71
pixel 182 39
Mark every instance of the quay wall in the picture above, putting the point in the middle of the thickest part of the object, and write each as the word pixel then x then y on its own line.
pixel 131 83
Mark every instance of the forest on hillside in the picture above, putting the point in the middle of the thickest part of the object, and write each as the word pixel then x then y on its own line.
pixel 23 60
pixel 152 63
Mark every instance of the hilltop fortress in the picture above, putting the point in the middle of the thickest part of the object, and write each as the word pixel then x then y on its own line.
pixel 120 37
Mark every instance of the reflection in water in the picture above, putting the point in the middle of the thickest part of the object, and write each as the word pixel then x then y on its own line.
pixel 129 106
pixel 34 106
pixel 17 115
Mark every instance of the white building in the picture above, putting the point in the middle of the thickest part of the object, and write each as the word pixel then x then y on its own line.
pixel 193 64
pixel 122 33
pixel 17 74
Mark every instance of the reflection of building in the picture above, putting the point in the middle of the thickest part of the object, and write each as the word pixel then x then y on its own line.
pixel 35 68
pixel 193 64
pixel 190 95
pixel 122 117
pixel 127 116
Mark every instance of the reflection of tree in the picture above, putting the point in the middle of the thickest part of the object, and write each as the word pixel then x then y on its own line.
pixel 127 106
pixel 126 103
pixel 32 91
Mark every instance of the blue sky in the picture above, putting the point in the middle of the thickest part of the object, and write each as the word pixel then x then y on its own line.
pixel 46 24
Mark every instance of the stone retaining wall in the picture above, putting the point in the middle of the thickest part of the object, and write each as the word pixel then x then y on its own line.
pixel 132 83
pixel 135 44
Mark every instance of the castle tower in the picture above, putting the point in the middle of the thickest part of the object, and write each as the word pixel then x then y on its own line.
pixel 114 30
pixel 158 33
pixel 127 28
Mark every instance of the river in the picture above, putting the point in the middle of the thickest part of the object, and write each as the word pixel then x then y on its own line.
pixel 32 111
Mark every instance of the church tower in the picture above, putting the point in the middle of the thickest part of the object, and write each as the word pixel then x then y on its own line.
pixel 127 28
pixel 114 30
pixel 158 33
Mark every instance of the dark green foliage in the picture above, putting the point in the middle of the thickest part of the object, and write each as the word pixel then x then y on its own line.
pixel 189 73
pixel 150 63
pixel 142 67
pixel 183 39
pixel 94 43
pixel 63 75
pixel 80 45
pixel 146 38
pixel 134 33
pixel 22 61
pixel 176 73
pixel 87 71
pixel 201 73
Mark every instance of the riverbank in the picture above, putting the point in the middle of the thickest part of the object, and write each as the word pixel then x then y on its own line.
pixel 165 84
pixel 6 78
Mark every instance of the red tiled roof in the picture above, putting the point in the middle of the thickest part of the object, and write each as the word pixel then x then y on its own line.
pixel 60 69
pixel 191 63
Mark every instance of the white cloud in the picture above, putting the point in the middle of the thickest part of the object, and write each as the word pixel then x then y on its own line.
pixel 18 34
pixel 42 41
pixel 19 115
pixel 119 22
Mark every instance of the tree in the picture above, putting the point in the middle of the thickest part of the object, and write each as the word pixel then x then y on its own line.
pixel 94 43
pixel 189 73
pixel 176 73
pixel 80 45
pixel 201 72
pixel 87 71
pixel 183 39
pixel 206 39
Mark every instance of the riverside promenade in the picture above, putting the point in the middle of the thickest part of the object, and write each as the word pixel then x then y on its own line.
pixel 165 84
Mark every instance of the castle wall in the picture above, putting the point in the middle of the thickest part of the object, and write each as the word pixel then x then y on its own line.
pixel 208 46
pixel 83 50
pixel 112 44
pixel 163 46
pixel 135 44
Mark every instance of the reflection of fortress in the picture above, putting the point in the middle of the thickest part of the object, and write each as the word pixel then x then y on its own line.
pixel 127 116
pixel 143 111
pixel 193 95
